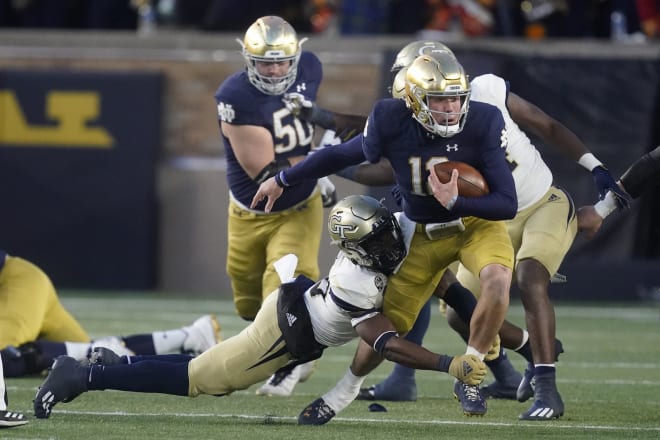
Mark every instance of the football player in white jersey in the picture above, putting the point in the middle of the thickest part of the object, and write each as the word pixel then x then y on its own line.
pixel 292 327
pixel 542 231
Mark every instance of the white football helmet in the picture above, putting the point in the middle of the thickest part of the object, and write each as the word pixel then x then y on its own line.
pixel 271 39
pixel 440 77
pixel 367 232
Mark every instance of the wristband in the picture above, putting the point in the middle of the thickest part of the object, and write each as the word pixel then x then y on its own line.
pixel 589 161
pixel 281 180
pixel 451 203
pixel 444 362
pixel 606 206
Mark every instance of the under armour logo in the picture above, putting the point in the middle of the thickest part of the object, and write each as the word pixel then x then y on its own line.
pixel 300 87
pixel 553 197
pixel 452 147
pixel 291 319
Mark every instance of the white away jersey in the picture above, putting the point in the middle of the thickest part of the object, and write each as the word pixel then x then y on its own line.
pixel 348 296
pixel 530 174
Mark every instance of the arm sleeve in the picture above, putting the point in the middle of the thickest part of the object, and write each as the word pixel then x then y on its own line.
pixel 326 161
pixel 502 202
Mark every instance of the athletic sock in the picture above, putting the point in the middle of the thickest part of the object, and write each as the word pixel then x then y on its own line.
pixel 144 377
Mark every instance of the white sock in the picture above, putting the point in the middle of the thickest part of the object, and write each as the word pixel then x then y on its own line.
pixel 344 392
pixel 3 403
pixel 77 350
pixel 169 341
pixel 472 350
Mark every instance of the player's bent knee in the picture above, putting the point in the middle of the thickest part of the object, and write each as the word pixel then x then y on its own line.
pixel 247 308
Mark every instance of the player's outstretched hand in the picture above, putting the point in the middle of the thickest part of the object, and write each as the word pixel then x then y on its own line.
pixel 298 105
pixel 328 192
pixel 605 182
pixel 468 368
pixel 589 221
pixel 494 351
pixel 270 190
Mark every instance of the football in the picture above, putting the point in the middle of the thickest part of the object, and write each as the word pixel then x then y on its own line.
pixel 470 181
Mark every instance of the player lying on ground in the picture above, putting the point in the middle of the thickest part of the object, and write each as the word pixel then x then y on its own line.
pixel 330 312
pixel 35 327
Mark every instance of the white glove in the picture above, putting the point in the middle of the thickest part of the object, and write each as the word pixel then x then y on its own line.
pixel 297 103
pixel 328 192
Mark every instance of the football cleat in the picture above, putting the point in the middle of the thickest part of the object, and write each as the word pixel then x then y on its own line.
pixel 392 391
pixel 66 380
pixel 316 413
pixel 104 356
pixel 525 389
pixel 506 381
pixel 470 398
pixel 113 343
pixel 201 335
pixel 284 380
pixel 499 390
pixel 548 403
pixel 9 419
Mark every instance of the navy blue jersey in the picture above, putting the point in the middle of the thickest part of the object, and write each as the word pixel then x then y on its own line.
pixel 392 133
pixel 240 103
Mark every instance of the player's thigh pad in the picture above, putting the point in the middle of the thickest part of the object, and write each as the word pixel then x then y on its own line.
pixel 413 284
pixel 545 231
pixel 485 242
pixel 242 360
pixel 298 232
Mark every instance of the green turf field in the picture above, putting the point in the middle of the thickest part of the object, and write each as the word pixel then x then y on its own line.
pixel 609 378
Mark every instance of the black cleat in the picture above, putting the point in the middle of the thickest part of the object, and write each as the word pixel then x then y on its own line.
pixel 316 413
pixel 470 398
pixel 66 380
pixel 548 404
pixel 104 356
pixel 9 419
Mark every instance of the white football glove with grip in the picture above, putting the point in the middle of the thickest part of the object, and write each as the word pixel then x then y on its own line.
pixel 328 192
pixel 296 103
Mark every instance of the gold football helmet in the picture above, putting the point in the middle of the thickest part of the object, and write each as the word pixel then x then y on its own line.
pixel 367 232
pixel 412 50
pixel 441 77
pixel 271 39
pixel 399 84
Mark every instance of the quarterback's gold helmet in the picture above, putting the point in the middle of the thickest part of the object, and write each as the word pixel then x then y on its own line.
pixel 271 39
pixel 441 77
pixel 412 50
pixel 367 232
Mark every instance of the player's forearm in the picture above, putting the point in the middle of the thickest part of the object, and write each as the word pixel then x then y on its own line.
pixel 325 162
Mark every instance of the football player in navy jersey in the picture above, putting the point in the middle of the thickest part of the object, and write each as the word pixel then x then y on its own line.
pixel 541 232
pixel 433 125
pixel 262 137
pixel 329 313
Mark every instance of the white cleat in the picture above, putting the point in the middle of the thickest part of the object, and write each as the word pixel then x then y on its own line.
pixel 202 334
pixel 282 383
pixel 113 343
